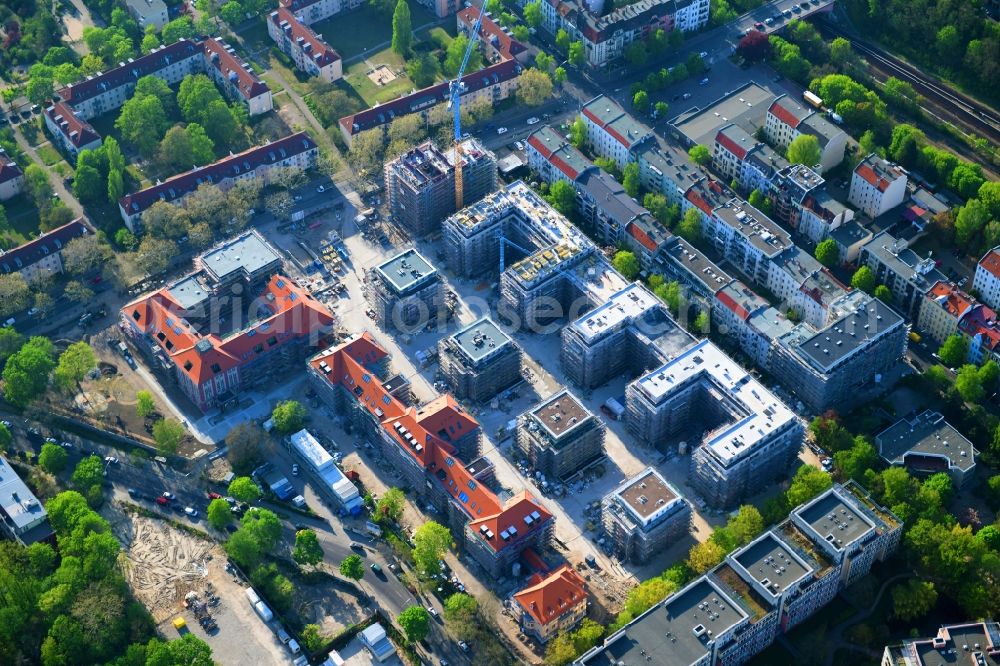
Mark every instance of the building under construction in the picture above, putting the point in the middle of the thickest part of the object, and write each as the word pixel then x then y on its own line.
pixel 560 436
pixel 628 334
pixel 405 292
pixel 742 436
pixel 420 183
pixel 480 361
pixel 643 515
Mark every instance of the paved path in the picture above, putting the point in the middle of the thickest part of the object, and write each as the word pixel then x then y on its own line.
pixel 54 180
pixel 836 634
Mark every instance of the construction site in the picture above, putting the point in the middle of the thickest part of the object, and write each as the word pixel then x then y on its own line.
pixel 479 361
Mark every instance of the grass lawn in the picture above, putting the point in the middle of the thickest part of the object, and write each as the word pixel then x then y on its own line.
pixel 22 222
pixel 357 78
pixel 32 131
pixel 353 32
pixel 49 155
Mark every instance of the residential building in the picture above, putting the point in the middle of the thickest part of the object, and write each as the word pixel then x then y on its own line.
pixel 927 444
pixel 297 151
pixel 801 201
pixel 492 84
pixel 423 446
pixel 235 78
pixel 69 132
pixel 480 361
pixel 786 120
pixel 611 131
pixel 850 237
pixel 742 436
pixel 148 12
pixel 908 276
pixel 666 169
pixel 42 256
pixel 877 186
pixel 734 306
pixel 233 324
pixel 310 11
pixel 643 516
pixel 987 278
pixel 560 436
pixel 22 516
pixel 553 602
pixel 746 237
pixel 943 308
pixel 977 642
pixel 327 478
pixel 554 158
pixel 496 41
pixel 683 262
pixel 982 329
pixel 310 53
pixel 405 292
pixel 11 177
pixel 420 183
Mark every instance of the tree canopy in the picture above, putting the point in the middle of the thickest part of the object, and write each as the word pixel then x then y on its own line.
pixel 415 622
pixel 289 416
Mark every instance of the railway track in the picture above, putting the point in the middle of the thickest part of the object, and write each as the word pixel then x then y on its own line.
pixel 968 113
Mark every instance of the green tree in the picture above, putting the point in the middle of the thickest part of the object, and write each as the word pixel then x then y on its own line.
pixel 307 550
pixel 461 614
pixel 415 622
pixel 630 179
pixel 700 154
pixel 578 132
pixel 828 253
pixel 807 483
pixel 182 27
pixel 142 123
pixel 246 447
pixel 312 639
pixel 88 185
pixel 10 342
pixel 640 100
pixel 562 196
pixel 703 556
pixel 660 109
pixel 968 384
pixel 969 222
pixel 402 29
pixel 854 462
pixel 390 506
pixel 864 279
pixel 53 458
pixel 533 13
pixel 289 416
pixel 89 472
pixel 243 548
pixel 804 149
pixel 264 526
pixel 243 489
pixel 759 201
pixel 431 541
pixel 576 54
pixel 562 40
pixel 534 87
pixel 168 433
pixel 5 436
pixel 883 293
pixel 219 514
pixel 955 350
pixel 144 404
pixel 352 567
pixel 26 374
pixel 15 294
pixel 74 364
pixel 690 226
pixel 636 53
pixel 423 70
pixel 544 62
pixel 456 52
pixel 913 599
pixel 559 75
pixel 627 264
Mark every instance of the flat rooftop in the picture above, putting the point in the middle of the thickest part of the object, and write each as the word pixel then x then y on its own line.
pixel 697 265
pixel 903 261
pixel 480 339
pixel 607 113
pixel 958 643
pixel 609 195
pixel 191 290
pixel 746 106
pixel 927 434
pixel 674 632
pixel 621 310
pixel 848 334
pixel 561 413
pixel 406 272
pixel 772 563
pixel 647 495
pixel 761 231
pixel 249 252
pixel 763 412
pixel 16 499
pixel 835 520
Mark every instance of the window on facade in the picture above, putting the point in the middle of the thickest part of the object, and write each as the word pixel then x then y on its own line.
pixel 271 341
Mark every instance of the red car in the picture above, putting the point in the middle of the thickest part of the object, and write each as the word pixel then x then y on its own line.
pixel 162 500
pixel 214 496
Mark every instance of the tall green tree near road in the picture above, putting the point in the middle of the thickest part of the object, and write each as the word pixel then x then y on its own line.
pixel 828 253
pixel 243 489
pixel 402 29
pixel 53 458
pixel 26 374
pixel 307 550
pixel 955 350
pixel 264 526
pixel 390 506
pixel 562 40
pixel 246 447
pixel 700 154
pixel 15 294
pixel 168 433
pixel 533 13
pixel 352 567
pixel 431 541
pixel 864 279
pixel 219 514
pixel 144 404
pixel 630 179
pixel 74 364
pixel 576 55
pixel 627 264
pixel 804 149
pixel 461 613
pixel 10 339
pixel 89 472
pixel 640 100
pixel 289 416
pixel 534 87
pixel 416 623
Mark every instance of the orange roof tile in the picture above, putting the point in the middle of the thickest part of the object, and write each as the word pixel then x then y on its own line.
pixel 991 263
pixel 521 506
pixel 550 597
pixel 955 302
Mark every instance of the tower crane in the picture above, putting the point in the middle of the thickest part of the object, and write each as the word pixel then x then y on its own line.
pixel 455 89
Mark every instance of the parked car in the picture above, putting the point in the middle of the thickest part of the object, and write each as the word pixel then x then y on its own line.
pixel 169 496
pixel 376 568
pixel 191 512
pixel 111 460
pixel 533 120
pixel 295 470
pixel 212 496
pixel 501 130
pixel 321 189
pixel 162 501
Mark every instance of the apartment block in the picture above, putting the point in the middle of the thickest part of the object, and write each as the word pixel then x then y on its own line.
pixel 560 436
pixel 22 516
pixel 552 603
pixel 976 642
pixel 420 183
pixel 741 435
pixel 554 158
pixel 908 276
pixel 296 151
pixel 801 201
pixel 611 131
pixel 877 186
pixel 644 515
pixel 927 444
pixel 11 177
pixel 148 12
pixel 235 78
pixel 683 262
pixel 480 361
pixel 406 292
pixel 786 120
pixel 943 308
pixel 71 133
pixel 746 237
pixel 987 278
pixel 42 257
pixel 308 50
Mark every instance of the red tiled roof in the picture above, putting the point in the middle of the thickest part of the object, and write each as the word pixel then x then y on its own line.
pixel 47 244
pixel 955 302
pixel 130 72
pixel 521 506
pixel 607 128
pixel 228 167
pixel 736 149
pixel 784 114
pixel 77 131
pixel 413 432
pixel 871 177
pixel 507 46
pixel 644 239
pixel 694 196
pixel 991 263
pixel 294 314
pixel 230 66
pixel 548 598
pixel 982 321
pixel 8 168
pixel 730 304
pixel 428 97
pixel 319 51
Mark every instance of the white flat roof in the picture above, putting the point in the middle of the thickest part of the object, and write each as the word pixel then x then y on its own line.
pixel 620 310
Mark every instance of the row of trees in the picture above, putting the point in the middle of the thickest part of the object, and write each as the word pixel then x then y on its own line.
pixel 27 371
